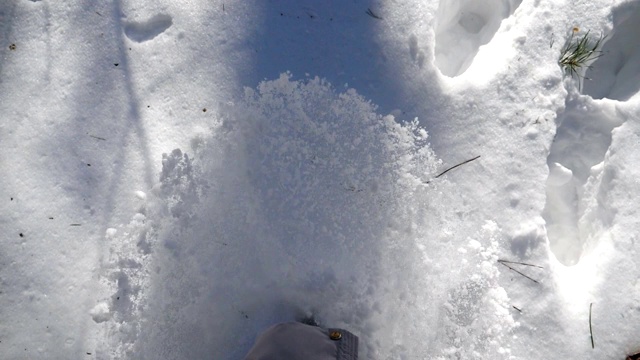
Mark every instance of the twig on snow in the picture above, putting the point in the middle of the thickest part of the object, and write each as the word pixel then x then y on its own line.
pixel 98 137
pixel 455 166
pixel 513 306
pixel 519 263
pixel 532 279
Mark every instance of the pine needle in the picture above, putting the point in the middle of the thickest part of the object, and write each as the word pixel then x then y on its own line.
pixel 593 346
pixel 370 13
pixel 455 166
pixel 519 263
pixel 579 53
pixel 528 277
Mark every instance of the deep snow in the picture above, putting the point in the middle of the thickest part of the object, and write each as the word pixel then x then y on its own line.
pixel 180 175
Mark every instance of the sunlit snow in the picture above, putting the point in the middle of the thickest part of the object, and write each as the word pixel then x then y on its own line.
pixel 178 176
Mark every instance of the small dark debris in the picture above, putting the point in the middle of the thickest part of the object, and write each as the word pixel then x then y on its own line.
pixel 116 64
pixel 281 14
pixel 118 298
pixel 370 13
pixel 516 308
pixel 12 47
pixel 98 137
pixel 21 235
pixel 50 217
pixel 88 353
pixel 75 225
pixel 148 106
pixel 11 199
pixel 88 164
pixel 204 110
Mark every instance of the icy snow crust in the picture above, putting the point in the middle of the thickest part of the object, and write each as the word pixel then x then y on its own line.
pixel 179 176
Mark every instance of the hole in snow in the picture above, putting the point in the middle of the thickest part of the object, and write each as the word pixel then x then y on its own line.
pixel 465 25
pixel 580 145
pixel 616 74
pixel 140 31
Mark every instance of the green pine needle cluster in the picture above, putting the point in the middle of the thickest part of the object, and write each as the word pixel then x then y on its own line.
pixel 579 53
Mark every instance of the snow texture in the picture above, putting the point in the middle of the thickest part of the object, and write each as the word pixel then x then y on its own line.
pixel 465 25
pixel 616 74
pixel 149 29
pixel 178 176
pixel 286 220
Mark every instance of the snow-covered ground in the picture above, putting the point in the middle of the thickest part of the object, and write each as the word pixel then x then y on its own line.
pixel 178 175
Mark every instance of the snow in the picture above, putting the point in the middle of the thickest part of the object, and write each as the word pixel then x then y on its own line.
pixel 465 25
pixel 181 175
pixel 615 76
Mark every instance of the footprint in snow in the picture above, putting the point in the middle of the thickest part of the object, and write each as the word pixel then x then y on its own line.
pixel 140 31
pixel 465 25
pixel 576 211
